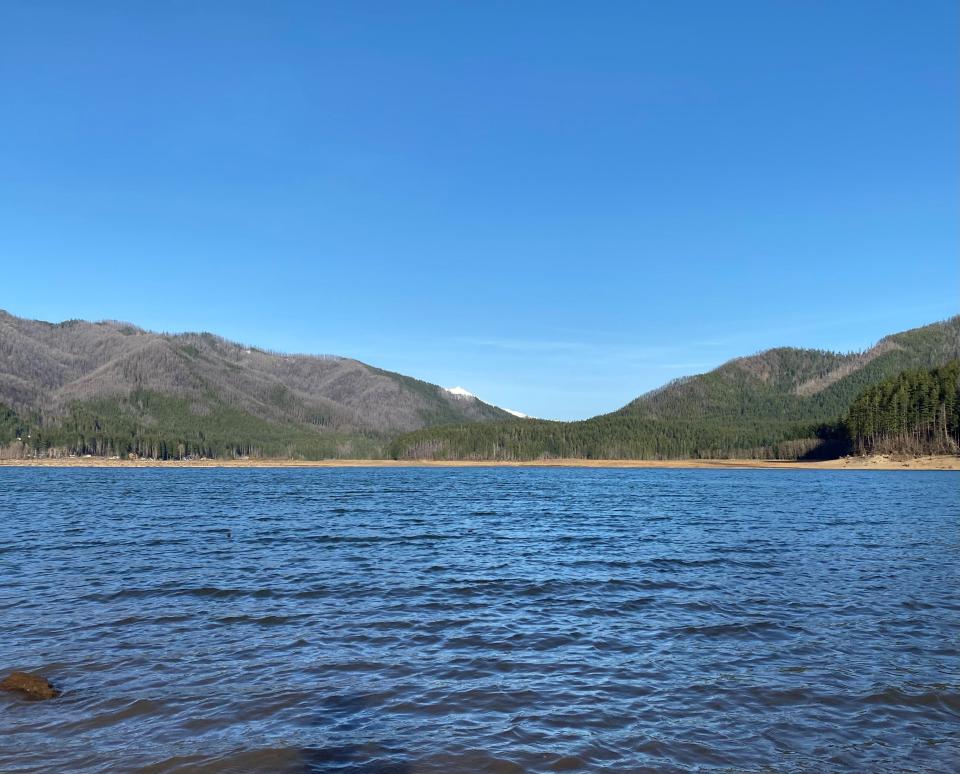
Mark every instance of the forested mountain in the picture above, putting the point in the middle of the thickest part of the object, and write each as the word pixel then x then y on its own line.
pixel 917 412
pixel 782 403
pixel 111 388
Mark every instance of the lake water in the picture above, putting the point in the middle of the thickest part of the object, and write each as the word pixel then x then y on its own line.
pixel 481 620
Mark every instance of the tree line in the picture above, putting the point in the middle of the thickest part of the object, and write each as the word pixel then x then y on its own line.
pixel 916 412
pixel 157 426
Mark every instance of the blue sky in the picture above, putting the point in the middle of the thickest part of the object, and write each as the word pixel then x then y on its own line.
pixel 556 205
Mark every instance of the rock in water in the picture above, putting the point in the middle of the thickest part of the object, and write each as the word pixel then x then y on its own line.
pixel 34 686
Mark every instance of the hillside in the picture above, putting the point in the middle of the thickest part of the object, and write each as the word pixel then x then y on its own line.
pixel 112 388
pixel 769 405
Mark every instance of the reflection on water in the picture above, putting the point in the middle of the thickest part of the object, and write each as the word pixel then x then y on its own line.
pixel 473 620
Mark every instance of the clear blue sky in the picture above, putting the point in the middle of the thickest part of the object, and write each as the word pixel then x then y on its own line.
pixel 556 205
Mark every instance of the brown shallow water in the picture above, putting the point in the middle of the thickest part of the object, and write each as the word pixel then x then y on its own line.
pixel 469 620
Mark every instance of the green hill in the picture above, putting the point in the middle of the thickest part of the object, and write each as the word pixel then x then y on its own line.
pixel 778 404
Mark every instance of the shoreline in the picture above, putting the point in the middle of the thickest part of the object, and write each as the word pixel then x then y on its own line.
pixel 879 462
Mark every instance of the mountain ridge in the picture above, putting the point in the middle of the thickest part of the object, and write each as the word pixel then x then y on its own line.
pixel 51 373
pixel 113 388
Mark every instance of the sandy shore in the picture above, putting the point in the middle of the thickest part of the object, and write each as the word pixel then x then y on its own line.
pixel 881 462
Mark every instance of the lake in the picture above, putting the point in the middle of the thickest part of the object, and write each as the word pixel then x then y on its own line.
pixel 481 620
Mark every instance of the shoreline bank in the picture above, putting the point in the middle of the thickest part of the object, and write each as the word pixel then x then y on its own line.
pixel 879 462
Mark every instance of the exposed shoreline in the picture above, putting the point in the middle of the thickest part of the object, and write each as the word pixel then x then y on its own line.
pixel 880 462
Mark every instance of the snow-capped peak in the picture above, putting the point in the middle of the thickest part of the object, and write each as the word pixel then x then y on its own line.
pixel 462 392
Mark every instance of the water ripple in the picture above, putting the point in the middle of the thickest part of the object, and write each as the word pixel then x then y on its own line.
pixel 481 620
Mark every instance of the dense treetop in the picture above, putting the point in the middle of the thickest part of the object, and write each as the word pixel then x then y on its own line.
pixel 916 412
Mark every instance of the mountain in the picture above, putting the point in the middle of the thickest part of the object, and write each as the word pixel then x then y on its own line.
pixel 110 387
pixel 775 404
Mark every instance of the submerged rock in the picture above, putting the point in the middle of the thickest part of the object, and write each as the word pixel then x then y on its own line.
pixel 34 686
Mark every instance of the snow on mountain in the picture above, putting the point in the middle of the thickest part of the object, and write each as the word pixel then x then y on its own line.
pixel 461 392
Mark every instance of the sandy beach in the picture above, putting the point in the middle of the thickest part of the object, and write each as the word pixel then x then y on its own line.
pixel 879 462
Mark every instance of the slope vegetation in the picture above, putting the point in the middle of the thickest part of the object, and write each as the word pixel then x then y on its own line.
pixel 112 388
pixel 783 403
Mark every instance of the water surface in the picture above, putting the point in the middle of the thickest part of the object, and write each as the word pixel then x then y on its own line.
pixel 472 620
